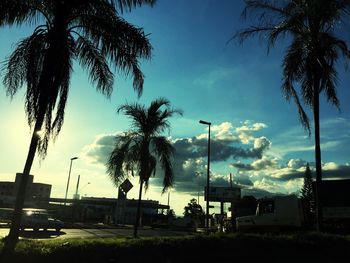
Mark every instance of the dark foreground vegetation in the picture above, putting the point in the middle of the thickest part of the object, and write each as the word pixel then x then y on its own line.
pixel 300 247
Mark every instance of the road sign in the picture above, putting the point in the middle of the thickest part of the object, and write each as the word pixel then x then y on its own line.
pixel 126 186
pixel 223 194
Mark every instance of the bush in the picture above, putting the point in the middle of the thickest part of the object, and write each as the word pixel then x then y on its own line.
pixel 217 247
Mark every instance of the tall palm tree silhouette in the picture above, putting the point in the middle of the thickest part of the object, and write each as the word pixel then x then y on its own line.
pixel 138 150
pixel 310 58
pixel 90 31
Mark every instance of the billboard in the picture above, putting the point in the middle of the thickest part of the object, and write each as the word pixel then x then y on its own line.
pixel 222 194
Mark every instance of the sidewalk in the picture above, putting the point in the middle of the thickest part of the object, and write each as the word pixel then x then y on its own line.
pixel 94 225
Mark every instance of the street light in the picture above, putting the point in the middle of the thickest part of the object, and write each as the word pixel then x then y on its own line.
pixel 70 168
pixel 208 171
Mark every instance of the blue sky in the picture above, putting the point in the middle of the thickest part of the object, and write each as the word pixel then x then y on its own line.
pixel 256 134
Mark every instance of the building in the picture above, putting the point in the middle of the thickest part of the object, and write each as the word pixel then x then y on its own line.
pixel 87 209
pixel 105 210
pixel 34 192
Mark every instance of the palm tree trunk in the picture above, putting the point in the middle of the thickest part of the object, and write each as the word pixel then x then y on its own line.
pixel 316 110
pixel 138 212
pixel 12 238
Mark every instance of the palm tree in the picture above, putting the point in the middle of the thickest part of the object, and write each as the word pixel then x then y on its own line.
pixel 138 150
pixel 90 31
pixel 309 60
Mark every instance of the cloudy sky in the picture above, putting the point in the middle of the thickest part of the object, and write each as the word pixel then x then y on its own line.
pixel 256 135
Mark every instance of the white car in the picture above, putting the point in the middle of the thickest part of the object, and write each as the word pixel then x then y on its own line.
pixel 39 219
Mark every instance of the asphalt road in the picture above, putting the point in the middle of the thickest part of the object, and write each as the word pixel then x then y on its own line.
pixel 93 233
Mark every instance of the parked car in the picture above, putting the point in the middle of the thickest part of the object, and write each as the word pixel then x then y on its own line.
pixel 39 219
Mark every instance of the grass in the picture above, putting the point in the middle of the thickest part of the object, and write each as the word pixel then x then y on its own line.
pixel 297 247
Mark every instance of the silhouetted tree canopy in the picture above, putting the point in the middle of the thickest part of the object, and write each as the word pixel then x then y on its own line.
pixel 194 211
pixel 89 31
pixel 138 151
pixel 307 191
pixel 310 60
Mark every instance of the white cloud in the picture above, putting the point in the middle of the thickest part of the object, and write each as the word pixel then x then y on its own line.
pixel 262 142
pixel 289 187
pixel 330 166
pixel 296 163
pixel 265 163
pixel 258 168
pixel 203 136
pixel 194 165
pixel 224 131
pixel 267 185
pixel 258 126
pixel 246 131
pixel 98 151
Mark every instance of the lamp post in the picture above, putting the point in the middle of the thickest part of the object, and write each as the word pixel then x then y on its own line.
pixel 208 171
pixel 70 168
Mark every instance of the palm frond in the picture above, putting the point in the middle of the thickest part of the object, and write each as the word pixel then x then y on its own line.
pixel 152 165
pixel 56 98
pixel 25 66
pixel 91 58
pixel 156 104
pixel 43 61
pixel 159 119
pixel 311 57
pixel 127 5
pixel 149 145
pixel 117 158
pixel 123 43
pixel 261 7
pixel 251 31
pixel 294 68
pixel 63 88
pixel 329 84
pixel 137 113
pixel 290 92
pixel 19 11
pixel 165 150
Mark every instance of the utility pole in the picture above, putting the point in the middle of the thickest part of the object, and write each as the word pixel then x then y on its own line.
pixel 208 173
pixel 70 169
pixel 76 189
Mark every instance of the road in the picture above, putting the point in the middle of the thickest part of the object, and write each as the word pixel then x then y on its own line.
pixel 93 233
